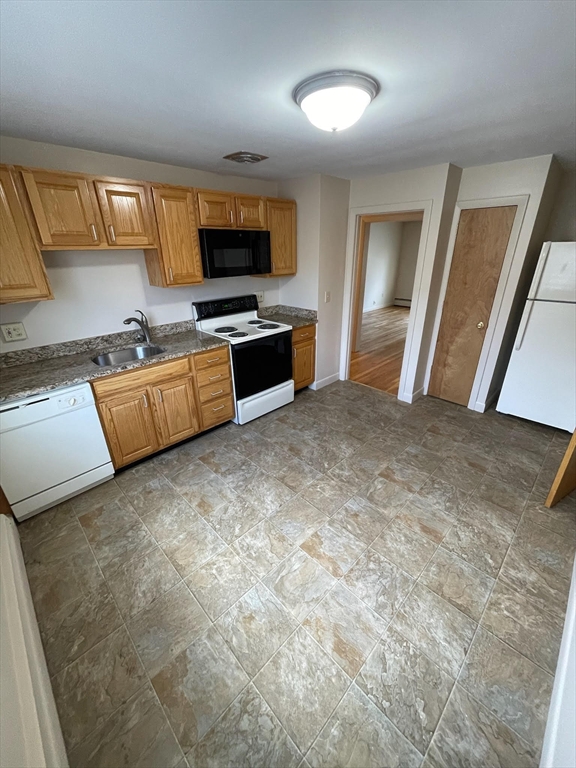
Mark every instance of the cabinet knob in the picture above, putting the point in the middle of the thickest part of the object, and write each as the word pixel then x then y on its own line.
pixel 480 324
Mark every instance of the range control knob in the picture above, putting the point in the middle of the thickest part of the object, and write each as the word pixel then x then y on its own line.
pixel 72 401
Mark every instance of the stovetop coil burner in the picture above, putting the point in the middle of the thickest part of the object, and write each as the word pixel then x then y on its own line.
pixel 225 329
pixel 254 322
pixel 268 325
pixel 238 333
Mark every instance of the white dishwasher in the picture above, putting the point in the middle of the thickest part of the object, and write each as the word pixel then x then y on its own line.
pixel 52 447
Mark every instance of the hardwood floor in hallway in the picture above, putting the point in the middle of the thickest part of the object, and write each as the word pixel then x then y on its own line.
pixel 378 362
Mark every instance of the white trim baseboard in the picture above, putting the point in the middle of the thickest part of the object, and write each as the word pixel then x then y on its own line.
pixel 410 397
pixel 324 382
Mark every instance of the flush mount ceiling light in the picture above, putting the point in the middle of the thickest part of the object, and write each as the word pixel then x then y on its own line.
pixel 335 100
pixel 245 157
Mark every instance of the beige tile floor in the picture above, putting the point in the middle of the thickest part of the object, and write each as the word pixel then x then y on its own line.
pixel 348 581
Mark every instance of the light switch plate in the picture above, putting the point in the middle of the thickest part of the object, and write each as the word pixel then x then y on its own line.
pixel 13 331
pixel 327 297
pixel 260 297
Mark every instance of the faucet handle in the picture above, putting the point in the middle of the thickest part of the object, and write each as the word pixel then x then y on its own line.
pixel 142 316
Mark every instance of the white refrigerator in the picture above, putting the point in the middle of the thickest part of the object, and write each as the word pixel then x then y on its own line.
pixel 540 382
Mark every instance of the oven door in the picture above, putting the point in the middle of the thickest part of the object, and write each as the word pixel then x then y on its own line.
pixel 261 364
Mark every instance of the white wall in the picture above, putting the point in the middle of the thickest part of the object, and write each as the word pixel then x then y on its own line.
pixel 95 290
pixel 562 224
pixel 411 233
pixel 430 189
pixel 334 197
pixel 382 264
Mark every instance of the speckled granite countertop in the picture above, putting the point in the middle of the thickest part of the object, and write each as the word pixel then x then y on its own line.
pixel 33 378
pixel 61 370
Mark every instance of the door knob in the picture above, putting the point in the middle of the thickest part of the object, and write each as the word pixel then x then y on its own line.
pixel 480 324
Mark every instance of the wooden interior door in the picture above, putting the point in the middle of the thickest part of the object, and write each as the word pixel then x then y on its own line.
pixel 127 213
pixel 216 209
pixel 64 208
pixel 481 242
pixel 22 274
pixel 129 426
pixel 281 217
pixel 176 409
pixel 303 363
pixel 178 232
pixel 250 212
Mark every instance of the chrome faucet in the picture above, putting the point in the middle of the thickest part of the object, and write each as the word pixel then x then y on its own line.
pixel 143 323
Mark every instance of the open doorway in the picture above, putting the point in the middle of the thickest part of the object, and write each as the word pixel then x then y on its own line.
pixel 386 265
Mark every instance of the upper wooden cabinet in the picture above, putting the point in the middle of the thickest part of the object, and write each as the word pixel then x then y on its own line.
pixel 22 273
pixel 281 218
pixel 64 207
pixel 250 212
pixel 177 262
pixel 216 209
pixel 128 214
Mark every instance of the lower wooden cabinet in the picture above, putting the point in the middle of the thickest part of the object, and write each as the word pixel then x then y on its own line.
pixel 304 356
pixel 152 407
pixel 176 408
pixel 129 426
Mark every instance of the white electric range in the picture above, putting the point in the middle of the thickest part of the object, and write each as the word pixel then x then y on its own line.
pixel 261 353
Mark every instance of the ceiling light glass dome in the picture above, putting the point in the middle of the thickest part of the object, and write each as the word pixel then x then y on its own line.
pixel 335 100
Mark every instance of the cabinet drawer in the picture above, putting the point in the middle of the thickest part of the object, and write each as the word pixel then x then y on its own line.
pixel 217 389
pixel 213 357
pixel 118 383
pixel 217 411
pixel 211 376
pixel 303 334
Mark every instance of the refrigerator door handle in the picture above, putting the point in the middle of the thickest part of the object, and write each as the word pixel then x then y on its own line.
pixel 536 280
pixel 524 324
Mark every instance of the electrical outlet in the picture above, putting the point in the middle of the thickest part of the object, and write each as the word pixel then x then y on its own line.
pixel 260 297
pixel 327 297
pixel 14 332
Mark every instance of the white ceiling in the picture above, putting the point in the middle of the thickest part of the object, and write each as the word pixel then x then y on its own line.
pixel 187 81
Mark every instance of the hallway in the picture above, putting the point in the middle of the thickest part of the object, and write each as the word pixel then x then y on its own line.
pixel 378 362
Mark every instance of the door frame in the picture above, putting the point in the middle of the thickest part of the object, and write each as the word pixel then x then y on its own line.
pixel 480 396
pixel 419 295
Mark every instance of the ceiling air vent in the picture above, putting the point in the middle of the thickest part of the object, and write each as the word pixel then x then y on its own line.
pixel 245 157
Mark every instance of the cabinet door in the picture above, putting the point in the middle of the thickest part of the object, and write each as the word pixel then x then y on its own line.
pixel 22 274
pixel 127 213
pixel 304 363
pixel 180 250
pixel 250 212
pixel 129 426
pixel 176 408
pixel 281 216
pixel 216 209
pixel 65 209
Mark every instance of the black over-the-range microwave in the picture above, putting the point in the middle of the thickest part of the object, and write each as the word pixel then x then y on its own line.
pixel 234 252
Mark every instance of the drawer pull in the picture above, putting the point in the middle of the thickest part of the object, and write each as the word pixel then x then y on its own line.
pixel 218 376
pixel 214 360
pixel 219 408
pixel 213 394
pixel 303 335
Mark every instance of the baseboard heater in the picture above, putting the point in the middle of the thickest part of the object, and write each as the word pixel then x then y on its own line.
pixel 402 302
pixel 29 727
